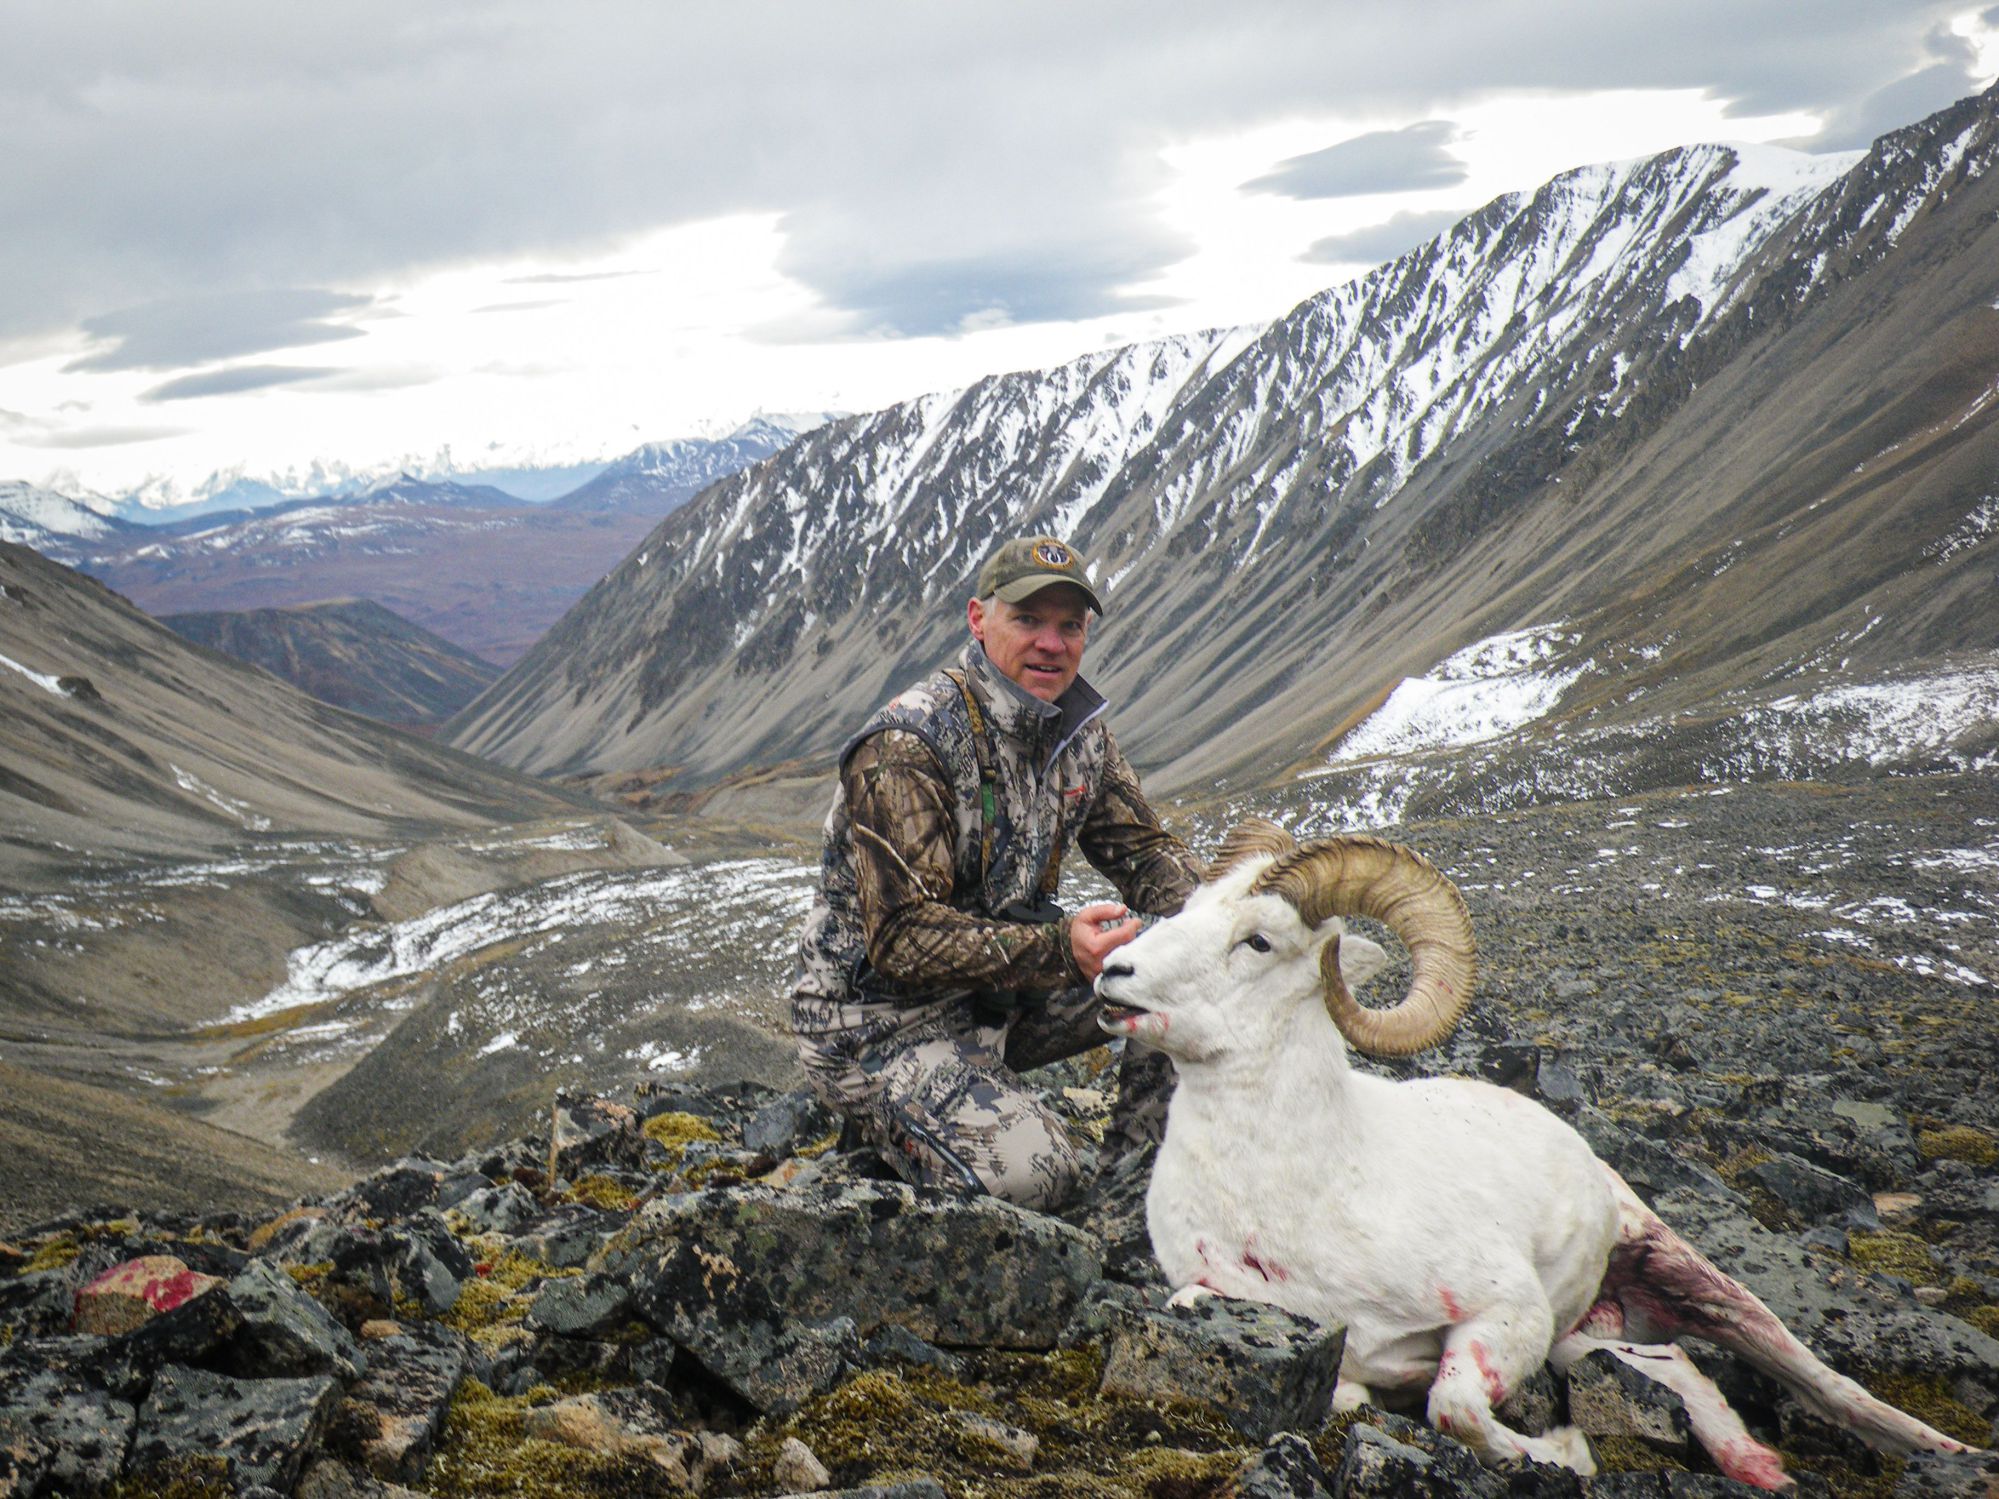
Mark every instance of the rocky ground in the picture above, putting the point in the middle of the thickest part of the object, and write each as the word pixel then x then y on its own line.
pixel 701 1295
pixel 1770 1006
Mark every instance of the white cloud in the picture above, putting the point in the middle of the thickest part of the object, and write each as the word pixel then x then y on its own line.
pixel 797 205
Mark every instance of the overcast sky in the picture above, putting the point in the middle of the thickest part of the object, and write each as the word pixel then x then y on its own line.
pixel 246 237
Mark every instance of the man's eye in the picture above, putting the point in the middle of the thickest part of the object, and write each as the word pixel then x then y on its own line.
pixel 1256 942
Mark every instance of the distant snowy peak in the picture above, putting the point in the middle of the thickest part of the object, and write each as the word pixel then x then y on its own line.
pixel 657 476
pixel 408 489
pixel 56 525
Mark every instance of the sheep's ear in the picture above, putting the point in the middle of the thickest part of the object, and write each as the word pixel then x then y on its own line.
pixel 1360 960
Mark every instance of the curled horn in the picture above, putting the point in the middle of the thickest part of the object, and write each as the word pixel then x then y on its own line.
pixel 1401 889
pixel 1252 838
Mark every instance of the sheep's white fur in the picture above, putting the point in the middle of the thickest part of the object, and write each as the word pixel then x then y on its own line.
pixel 1460 1232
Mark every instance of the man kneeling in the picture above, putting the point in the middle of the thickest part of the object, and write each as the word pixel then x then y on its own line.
pixel 935 964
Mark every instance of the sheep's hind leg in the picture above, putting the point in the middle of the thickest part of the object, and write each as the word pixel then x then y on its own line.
pixel 1484 1359
pixel 1656 1273
pixel 1715 1423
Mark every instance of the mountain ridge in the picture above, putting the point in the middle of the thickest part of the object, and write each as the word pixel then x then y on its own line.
pixel 1456 444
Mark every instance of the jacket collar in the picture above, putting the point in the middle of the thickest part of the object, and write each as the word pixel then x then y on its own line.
pixel 1016 712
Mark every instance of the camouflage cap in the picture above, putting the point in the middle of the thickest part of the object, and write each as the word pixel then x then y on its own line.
pixel 1024 566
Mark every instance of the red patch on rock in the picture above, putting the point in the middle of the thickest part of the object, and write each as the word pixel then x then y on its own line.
pixel 132 1294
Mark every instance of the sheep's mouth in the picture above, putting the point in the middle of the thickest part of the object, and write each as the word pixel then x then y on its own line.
pixel 1110 1013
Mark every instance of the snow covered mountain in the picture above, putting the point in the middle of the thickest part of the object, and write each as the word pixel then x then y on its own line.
pixel 56 525
pixel 652 479
pixel 1712 411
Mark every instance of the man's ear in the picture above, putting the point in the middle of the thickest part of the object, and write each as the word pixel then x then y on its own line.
pixel 975 616
pixel 1360 960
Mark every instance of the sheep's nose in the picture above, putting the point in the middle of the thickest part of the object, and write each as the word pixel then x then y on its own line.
pixel 1117 970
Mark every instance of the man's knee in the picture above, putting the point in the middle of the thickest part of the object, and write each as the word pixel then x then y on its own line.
pixel 1037 1167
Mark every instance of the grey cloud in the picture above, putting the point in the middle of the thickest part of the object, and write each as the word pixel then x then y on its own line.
pixel 14 418
pixel 982 157
pixel 1905 100
pixel 522 306
pixel 1384 241
pixel 1382 161
pixel 197 329
pixel 232 381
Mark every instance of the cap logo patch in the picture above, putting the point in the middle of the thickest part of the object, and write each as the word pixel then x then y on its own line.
pixel 1052 554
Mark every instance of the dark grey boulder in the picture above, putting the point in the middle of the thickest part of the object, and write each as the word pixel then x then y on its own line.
pixel 1378 1465
pixel 418 1259
pixel 1285 1469
pixel 776 1367
pixel 64 1434
pixel 1932 1475
pixel 38 1304
pixel 393 1192
pixel 592 1132
pixel 504 1209
pixel 284 1331
pixel 1265 1369
pixel 391 1418
pixel 1609 1398
pixel 580 1306
pixel 1814 1193
pixel 953 1270
pixel 786 1123
pixel 263 1429
pixel 567 1237
pixel 892 1344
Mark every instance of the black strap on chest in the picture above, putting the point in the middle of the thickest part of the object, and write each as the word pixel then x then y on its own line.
pixel 1051 874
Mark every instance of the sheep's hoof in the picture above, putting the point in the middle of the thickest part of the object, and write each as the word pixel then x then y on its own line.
pixel 1188 1295
pixel 1565 1447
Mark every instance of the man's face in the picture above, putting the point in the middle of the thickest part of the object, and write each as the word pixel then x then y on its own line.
pixel 1038 642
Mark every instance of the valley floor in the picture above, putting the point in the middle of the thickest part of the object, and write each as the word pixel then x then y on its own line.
pixel 1707 948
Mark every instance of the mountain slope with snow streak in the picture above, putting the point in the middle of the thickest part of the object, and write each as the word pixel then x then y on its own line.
pixel 1723 395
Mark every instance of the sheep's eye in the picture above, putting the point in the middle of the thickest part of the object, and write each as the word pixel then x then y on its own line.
pixel 1256 942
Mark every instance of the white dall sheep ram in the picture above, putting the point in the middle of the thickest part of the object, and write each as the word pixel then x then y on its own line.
pixel 1461 1233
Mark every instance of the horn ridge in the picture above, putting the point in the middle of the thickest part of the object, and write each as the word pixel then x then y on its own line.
pixel 1360 875
pixel 1252 838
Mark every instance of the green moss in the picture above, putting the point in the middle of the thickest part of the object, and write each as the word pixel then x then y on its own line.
pixel 673 1133
pixel 491 1304
pixel 485 1451
pixel 52 1255
pixel 1958 1142
pixel 885 1425
pixel 187 1478
pixel 604 1194
pixel 818 1147
pixel 1632 1455
pixel 1984 1318
pixel 1891 1253
pixel 1929 1399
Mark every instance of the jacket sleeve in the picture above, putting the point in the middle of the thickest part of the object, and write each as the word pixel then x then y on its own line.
pixel 1153 870
pixel 903 823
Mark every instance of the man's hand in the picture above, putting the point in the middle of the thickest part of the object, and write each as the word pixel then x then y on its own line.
pixel 1092 943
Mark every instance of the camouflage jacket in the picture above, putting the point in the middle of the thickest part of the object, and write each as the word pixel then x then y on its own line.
pixel 911 886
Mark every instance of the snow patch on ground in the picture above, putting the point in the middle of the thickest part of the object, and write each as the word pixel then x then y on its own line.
pixel 41 679
pixel 725 901
pixel 1485 691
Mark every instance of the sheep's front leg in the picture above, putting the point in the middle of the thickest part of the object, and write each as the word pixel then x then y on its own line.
pixel 1485 1358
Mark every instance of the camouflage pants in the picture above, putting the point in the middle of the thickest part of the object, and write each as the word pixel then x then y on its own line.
pixel 943 1102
